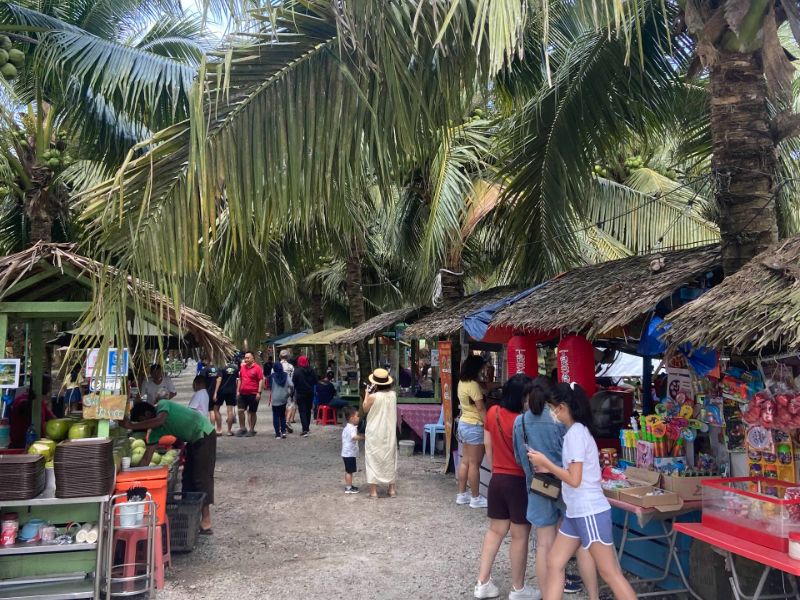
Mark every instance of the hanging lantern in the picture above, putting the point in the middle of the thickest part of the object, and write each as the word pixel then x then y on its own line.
pixel 576 363
pixel 522 355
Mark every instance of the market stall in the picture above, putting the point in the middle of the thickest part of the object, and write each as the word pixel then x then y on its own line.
pixel 56 498
pixel 580 319
pixel 753 320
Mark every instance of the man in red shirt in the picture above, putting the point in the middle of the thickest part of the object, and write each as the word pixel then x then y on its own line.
pixel 248 394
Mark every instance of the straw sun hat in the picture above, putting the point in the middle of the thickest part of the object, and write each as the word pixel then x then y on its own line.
pixel 381 377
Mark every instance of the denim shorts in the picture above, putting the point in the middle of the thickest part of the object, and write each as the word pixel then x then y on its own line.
pixel 470 434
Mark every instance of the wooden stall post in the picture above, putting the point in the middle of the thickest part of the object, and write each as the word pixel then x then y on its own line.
pixel 37 373
pixel 3 334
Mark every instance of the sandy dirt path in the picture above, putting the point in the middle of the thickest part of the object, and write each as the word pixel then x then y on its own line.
pixel 283 528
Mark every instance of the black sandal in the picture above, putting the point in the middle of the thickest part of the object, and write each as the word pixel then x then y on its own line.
pixel 208 531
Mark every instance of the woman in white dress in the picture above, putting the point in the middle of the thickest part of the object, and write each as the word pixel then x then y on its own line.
pixel 380 436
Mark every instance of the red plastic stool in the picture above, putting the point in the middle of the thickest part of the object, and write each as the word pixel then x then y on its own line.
pixel 326 415
pixel 130 544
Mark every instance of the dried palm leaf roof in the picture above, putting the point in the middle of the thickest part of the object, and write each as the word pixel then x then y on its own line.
pixel 376 325
pixel 596 299
pixel 755 309
pixel 449 319
pixel 54 262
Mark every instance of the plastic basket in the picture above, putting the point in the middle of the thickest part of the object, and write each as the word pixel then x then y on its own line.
pixel 183 511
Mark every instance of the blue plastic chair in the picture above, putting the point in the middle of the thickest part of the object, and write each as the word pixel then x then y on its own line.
pixel 431 430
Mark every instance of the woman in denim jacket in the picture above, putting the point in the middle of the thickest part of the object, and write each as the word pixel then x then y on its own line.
pixel 537 429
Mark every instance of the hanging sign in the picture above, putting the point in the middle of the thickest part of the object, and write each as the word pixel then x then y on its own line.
pixel 116 364
pixel 446 381
pixel 9 372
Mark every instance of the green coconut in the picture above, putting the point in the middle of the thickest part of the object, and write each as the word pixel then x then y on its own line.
pixel 16 57
pixel 53 163
pixel 8 71
pixel 3 57
pixel 5 42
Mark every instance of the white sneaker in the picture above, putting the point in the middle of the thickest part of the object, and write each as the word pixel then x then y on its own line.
pixel 486 590
pixel 478 502
pixel 526 593
pixel 463 498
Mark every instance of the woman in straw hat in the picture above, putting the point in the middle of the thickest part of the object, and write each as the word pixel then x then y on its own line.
pixel 380 445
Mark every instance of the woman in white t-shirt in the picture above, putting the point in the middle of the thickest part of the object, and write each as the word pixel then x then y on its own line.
pixel 587 522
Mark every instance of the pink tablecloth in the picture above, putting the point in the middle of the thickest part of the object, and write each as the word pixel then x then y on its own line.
pixel 416 416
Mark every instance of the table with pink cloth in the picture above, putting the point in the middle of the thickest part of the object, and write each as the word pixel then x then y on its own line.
pixel 416 416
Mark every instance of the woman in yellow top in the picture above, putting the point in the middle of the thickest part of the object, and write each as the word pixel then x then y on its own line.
pixel 470 433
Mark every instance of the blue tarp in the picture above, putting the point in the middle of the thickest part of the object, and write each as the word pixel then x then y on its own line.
pixel 477 323
pixel 702 360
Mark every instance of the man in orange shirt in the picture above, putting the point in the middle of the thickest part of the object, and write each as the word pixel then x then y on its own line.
pixel 248 394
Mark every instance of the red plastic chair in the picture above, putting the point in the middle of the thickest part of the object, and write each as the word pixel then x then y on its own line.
pixel 130 547
pixel 326 415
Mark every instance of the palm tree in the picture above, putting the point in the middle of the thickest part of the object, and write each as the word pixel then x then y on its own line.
pixel 100 75
pixel 735 43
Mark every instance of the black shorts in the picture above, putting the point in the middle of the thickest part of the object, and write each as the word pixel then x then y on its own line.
pixel 198 471
pixel 508 498
pixel 248 402
pixel 349 464
pixel 226 399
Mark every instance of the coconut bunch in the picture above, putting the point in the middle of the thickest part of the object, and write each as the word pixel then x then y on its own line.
pixel 11 59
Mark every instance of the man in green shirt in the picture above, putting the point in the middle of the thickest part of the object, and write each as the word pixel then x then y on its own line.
pixel 189 426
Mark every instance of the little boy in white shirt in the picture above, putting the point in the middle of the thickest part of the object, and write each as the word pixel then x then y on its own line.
pixel 350 439
pixel 199 401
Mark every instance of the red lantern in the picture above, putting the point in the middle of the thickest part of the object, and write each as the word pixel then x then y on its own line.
pixel 522 355
pixel 576 363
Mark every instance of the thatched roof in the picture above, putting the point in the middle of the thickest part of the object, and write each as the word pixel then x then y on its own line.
pixel 598 298
pixel 448 320
pixel 376 324
pixel 54 263
pixel 755 309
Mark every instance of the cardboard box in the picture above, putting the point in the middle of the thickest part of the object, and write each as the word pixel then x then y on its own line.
pixel 688 488
pixel 638 478
pixel 667 502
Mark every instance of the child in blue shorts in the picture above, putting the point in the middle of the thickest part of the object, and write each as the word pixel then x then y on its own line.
pixel 587 522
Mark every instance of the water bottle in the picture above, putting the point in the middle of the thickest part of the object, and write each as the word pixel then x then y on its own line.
pixel 30 436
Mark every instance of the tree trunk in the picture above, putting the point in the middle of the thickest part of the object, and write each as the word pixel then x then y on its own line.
pixel 452 285
pixel 280 320
pixel 745 158
pixel 41 226
pixel 318 323
pixel 355 302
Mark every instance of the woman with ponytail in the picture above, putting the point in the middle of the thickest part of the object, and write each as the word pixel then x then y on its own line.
pixel 587 523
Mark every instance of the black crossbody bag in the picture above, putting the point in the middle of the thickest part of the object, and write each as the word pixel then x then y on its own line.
pixel 546 485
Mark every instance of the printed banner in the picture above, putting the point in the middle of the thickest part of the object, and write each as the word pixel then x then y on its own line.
pixel 446 381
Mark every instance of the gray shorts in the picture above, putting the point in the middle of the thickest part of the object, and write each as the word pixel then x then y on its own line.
pixel 469 433
pixel 591 529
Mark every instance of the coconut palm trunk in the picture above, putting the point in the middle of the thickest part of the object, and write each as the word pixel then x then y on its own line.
pixel 318 323
pixel 745 157
pixel 355 302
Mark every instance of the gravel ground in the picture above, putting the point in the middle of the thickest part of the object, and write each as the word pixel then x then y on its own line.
pixel 283 528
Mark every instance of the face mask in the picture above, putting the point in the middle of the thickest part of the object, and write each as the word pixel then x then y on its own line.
pixel 552 414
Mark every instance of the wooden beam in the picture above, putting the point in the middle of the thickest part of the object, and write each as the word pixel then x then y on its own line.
pixel 47 289
pixel 45 309
pixel 24 284
pixel 3 334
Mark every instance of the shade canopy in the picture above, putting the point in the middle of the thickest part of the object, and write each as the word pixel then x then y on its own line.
pixel 377 324
pixel 320 338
